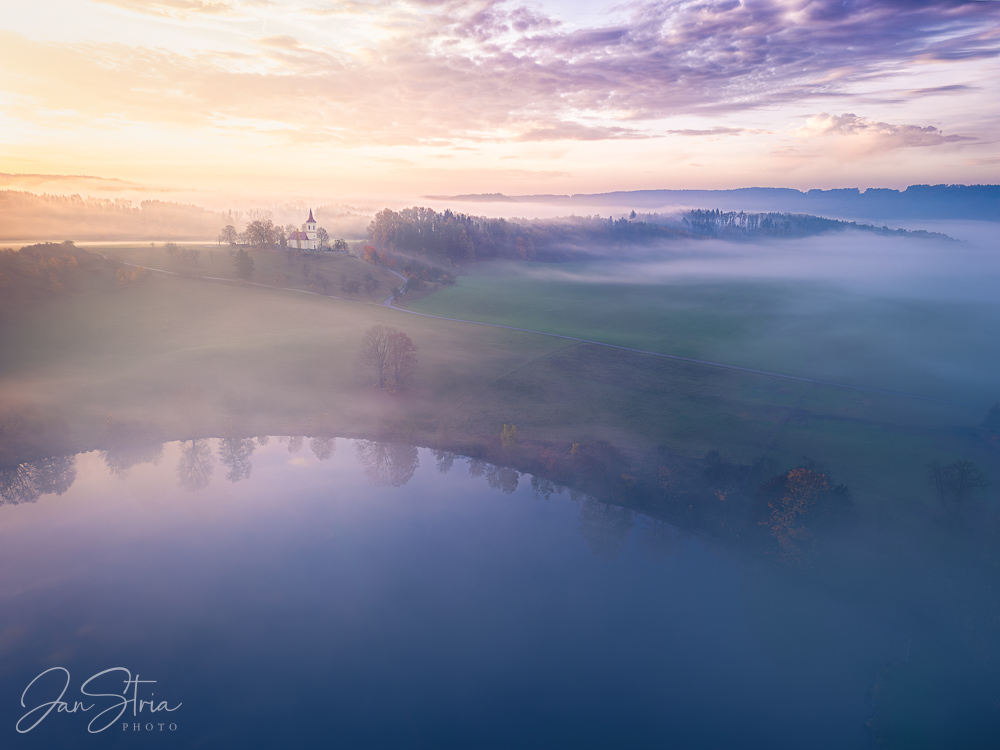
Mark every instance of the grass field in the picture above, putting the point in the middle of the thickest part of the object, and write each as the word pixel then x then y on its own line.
pixel 805 328
pixel 189 357
pixel 295 270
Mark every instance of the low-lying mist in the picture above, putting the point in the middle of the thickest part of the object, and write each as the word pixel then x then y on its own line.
pixel 884 266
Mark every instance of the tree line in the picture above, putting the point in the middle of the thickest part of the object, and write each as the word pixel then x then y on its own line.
pixel 457 238
pixel 744 225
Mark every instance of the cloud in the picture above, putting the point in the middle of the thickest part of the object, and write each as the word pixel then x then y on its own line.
pixel 709 131
pixel 955 88
pixel 481 70
pixel 174 7
pixel 572 131
pixel 879 136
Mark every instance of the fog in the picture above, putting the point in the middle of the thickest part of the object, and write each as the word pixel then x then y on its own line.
pixel 151 396
pixel 888 266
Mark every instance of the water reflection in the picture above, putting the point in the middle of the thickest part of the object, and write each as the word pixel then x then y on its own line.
pixel 194 469
pixel 26 482
pixel 606 527
pixel 387 464
pixel 445 460
pixel 129 445
pixel 323 447
pixel 648 550
pixel 501 478
pixel 235 454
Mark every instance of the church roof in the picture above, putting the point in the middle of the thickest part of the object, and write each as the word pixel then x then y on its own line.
pixel 311 219
pixel 297 235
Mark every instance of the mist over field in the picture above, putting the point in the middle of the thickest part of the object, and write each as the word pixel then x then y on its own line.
pixel 493 374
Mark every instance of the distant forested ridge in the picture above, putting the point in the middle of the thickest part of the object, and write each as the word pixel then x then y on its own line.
pixel 743 225
pixel 979 202
pixel 26 215
pixel 457 238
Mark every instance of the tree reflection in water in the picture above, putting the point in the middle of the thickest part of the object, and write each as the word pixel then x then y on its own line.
pixel 235 454
pixel 194 469
pixel 122 457
pixel 659 539
pixel 26 482
pixel 445 461
pixel 545 488
pixel 605 527
pixel 387 464
pixel 323 447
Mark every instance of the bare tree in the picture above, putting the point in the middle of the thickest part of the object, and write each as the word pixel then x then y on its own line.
pixel 402 358
pixel 376 348
pixel 956 483
pixel 390 356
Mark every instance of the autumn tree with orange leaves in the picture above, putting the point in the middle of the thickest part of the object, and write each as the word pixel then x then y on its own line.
pixel 793 506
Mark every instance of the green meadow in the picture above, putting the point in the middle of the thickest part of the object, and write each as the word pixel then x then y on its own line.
pixel 179 356
pixel 806 328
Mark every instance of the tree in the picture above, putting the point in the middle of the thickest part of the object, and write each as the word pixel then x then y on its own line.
pixel 955 483
pixel 371 283
pixel 261 233
pixel 340 246
pixel 390 356
pixel 171 248
pixel 323 237
pixel 349 286
pixel 323 283
pixel 228 234
pixel 244 265
pixel 402 359
pixel 508 436
pixel 375 352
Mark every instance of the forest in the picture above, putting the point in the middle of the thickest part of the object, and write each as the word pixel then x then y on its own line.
pixel 458 238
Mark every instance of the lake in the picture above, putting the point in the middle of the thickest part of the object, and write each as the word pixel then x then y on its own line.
pixel 284 592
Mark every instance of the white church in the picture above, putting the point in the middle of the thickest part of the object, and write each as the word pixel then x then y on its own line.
pixel 305 240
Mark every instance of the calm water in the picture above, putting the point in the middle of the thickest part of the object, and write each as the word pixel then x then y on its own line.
pixel 306 606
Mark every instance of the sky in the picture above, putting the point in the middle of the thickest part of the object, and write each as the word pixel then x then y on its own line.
pixel 376 97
